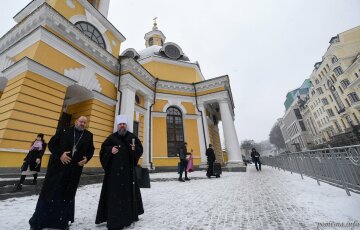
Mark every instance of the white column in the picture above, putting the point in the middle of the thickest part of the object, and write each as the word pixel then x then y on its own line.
pixel 145 156
pixel 206 127
pixel 127 105
pixel 201 129
pixel 231 140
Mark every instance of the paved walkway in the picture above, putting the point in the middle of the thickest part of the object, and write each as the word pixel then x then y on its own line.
pixel 270 199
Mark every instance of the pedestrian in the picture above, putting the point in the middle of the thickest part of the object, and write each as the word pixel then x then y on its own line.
pixel 71 148
pixel 183 161
pixel 120 201
pixel 210 159
pixel 32 161
pixel 255 156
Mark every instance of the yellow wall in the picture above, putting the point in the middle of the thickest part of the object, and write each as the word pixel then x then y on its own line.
pixel 192 136
pixel 61 7
pixel 48 56
pixel 159 135
pixel 107 88
pixel 159 105
pixel 141 128
pixel 100 119
pixel 1 94
pixel 172 72
pixel 190 107
pixel 115 49
pixel 31 104
pixel 215 141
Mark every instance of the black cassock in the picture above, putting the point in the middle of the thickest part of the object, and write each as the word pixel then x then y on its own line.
pixel 117 206
pixel 55 206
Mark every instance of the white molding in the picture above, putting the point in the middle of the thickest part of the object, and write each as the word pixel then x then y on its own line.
pixel 27 64
pixel 5 62
pixel 101 97
pixel 28 10
pixel 127 80
pixel 40 34
pixel 140 109
pixel 158 114
pixel 191 116
pixel 84 77
pixel 13 150
pixel 177 104
pixel 45 15
pixel 102 19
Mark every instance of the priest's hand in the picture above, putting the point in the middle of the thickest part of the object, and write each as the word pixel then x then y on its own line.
pixel 114 150
pixel 38 160
pixel 65 159
pixel 83 162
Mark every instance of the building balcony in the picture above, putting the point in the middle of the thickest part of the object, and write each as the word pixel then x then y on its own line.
pixel 325 127
pixel 355 105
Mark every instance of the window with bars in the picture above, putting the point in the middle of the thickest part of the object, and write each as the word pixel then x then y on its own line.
pixel 345 83
pixel 325 101
pixel 330 112
pixel 338 71
pixel 353 97
pixel 175 131
pixel 91 32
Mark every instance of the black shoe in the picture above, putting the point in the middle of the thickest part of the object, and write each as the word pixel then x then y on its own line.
pixel 181 180
pixel 187 178
pixel 209 177
pixel 17 187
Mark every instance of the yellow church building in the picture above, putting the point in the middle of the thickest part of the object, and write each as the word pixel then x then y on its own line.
pixel 62 60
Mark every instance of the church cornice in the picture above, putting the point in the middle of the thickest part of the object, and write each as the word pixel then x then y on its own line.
pixel 130 65
pixel 46 15
pixel 27 10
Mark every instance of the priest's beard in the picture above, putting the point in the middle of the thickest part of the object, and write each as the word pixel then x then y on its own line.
pixel 79 128
pixel 122 132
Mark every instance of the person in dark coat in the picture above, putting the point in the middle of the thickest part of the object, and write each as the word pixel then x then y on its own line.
pixel 71 148
pixel 255 156
pixel 211 159
pixel 32 161
pixel 120 201
pixel 183 161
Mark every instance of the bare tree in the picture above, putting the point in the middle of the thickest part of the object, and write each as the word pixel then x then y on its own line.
pixel 276 138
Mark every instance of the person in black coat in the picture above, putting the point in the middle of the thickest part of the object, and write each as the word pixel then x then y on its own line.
pixel 183 161
pixel 255 156
pixel 211 159
pixel 71 148
pixel 120 201
pixel 32 161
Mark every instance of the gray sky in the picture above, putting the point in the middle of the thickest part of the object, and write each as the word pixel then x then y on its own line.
pixel 267 47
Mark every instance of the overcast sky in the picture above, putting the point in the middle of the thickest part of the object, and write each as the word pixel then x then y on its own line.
pixel 267 47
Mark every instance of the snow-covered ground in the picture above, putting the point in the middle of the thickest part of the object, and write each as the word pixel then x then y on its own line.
pixel 270 199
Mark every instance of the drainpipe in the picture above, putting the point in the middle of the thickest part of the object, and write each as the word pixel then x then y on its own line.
pixel 118 88
pixel 202 120
pixel 150 108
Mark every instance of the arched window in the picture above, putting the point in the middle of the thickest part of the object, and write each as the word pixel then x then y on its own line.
pixel 175 131
pixel 91 32
pixel 151 41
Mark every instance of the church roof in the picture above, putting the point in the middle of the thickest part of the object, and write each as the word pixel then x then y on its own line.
pixel 154 51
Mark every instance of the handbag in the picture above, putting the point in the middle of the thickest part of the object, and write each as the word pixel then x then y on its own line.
pixel 142 176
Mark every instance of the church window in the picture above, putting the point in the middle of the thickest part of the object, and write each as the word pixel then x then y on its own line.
pixel 175 131
pixel 91 32
pixel 151 41
pixel 136 128
pixel 137 99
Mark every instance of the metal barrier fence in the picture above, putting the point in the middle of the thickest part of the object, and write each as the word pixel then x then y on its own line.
pixel 339 166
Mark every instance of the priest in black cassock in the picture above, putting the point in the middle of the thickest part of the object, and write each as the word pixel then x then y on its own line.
pixel 71 148
pixel 120 200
